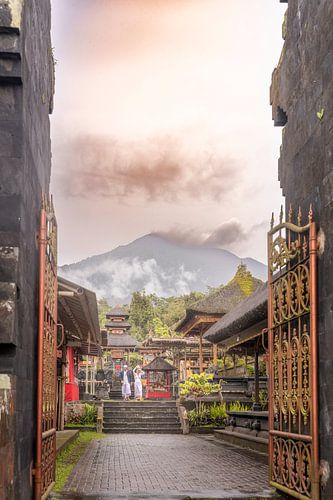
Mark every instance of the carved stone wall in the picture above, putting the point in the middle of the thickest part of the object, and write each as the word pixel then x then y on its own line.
pixel 302 97
pixel 26 93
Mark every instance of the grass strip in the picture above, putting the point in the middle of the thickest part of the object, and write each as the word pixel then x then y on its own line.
pixel 69 457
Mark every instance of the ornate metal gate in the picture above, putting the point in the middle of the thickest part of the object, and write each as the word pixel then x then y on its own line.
pixel 292 318
pixel 47 340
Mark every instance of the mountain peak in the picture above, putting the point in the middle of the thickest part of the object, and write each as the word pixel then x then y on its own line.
pixel 162 266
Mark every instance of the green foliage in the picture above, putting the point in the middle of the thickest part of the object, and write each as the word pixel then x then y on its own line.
pixel 218 412
pixel 244 279
pixel 88 418
pixel 141 315
pixel 90 414
pixel 320 114
pixel 250 370
pixel 135 359
pixel 103 308
pixel 198 416
pixel 69 457
pixel 204 415
pixel 160 328
pixel 198 385
pixel 237 406
pixel 263 398
pixel 157 316
pixel 240 362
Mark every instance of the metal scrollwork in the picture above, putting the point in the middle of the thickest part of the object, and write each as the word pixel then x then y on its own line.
pixel 282 254
pixel 46 382
pixel 293 428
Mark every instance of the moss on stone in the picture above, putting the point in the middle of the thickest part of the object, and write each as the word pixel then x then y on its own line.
pixel 244 279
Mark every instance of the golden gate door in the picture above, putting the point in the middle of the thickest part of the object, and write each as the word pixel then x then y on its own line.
pixel 292 318
pixel 47 340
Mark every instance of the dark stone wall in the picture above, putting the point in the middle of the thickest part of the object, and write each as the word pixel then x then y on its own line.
pixel 302 94
pixel 26 93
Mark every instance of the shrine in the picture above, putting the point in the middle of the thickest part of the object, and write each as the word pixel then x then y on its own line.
pixel 159 379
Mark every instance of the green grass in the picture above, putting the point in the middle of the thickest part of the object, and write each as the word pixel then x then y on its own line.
pixel 69 457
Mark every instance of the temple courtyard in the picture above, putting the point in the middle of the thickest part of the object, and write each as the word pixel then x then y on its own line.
pixel 166 466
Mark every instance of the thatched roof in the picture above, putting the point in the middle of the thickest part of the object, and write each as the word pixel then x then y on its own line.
pixel 117 324
pixel 164 342
pixel 249 312
pixel 159 364
pixel 119 340
pixel 77 311
pixel 225 298
pixel 117 311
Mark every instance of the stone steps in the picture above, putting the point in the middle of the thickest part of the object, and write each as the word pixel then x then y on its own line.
pixel 140 411
pixel 143 430
pixel 143 425
pixel 141 417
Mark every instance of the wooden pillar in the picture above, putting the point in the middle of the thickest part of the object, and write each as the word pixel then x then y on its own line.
pixel 215 354
pixel 256 405
pixel 200 353
pixel 61 420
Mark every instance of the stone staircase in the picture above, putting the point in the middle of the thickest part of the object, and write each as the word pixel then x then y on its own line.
pixel 115 394
pixel 141 417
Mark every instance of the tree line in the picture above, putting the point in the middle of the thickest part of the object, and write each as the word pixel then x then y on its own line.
pixel 152 315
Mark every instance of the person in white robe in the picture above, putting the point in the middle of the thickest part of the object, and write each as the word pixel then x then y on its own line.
pixel 126 383
pixel 137 383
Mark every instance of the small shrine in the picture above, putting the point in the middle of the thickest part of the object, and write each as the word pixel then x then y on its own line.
pixel 159 379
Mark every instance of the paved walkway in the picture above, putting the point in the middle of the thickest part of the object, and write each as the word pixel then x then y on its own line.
pixel 166 466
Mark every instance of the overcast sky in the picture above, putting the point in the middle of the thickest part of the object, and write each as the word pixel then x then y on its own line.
pixel 162 122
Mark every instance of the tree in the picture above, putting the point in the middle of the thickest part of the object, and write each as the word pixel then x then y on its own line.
pixel 141 314
pixel 160 328
pixel 103 308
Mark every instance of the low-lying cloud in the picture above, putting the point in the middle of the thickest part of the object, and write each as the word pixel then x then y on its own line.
pixel 117 279
pixel 156 168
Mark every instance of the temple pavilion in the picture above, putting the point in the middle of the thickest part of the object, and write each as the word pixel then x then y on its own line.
pixel 116 339
pixel 204 313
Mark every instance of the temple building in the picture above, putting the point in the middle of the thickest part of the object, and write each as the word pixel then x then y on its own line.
pixel 116 341
pixel 204 313
pixel 78 344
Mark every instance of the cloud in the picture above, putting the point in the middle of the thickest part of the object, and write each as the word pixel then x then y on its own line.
pixel 117 279
pixel 227 235
pixel 155 168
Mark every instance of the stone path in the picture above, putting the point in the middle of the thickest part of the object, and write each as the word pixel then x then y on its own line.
pixel 166 466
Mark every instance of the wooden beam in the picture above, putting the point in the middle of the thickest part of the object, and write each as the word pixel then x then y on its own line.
pixel 199 321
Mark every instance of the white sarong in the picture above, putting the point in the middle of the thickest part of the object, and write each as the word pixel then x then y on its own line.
pixel 126 387
pixel 137 385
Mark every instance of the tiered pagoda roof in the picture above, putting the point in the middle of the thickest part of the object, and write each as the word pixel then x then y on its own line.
pixel 117 312
pixel 118 324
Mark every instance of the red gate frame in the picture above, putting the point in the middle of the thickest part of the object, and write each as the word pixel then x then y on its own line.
pixel 44 472
pixel 313 437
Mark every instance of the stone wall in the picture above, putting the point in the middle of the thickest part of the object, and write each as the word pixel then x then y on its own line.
pixel 26 94
pixel 302 97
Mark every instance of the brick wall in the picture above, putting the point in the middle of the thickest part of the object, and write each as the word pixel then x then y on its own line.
pixel 302 97
pixel 26 93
